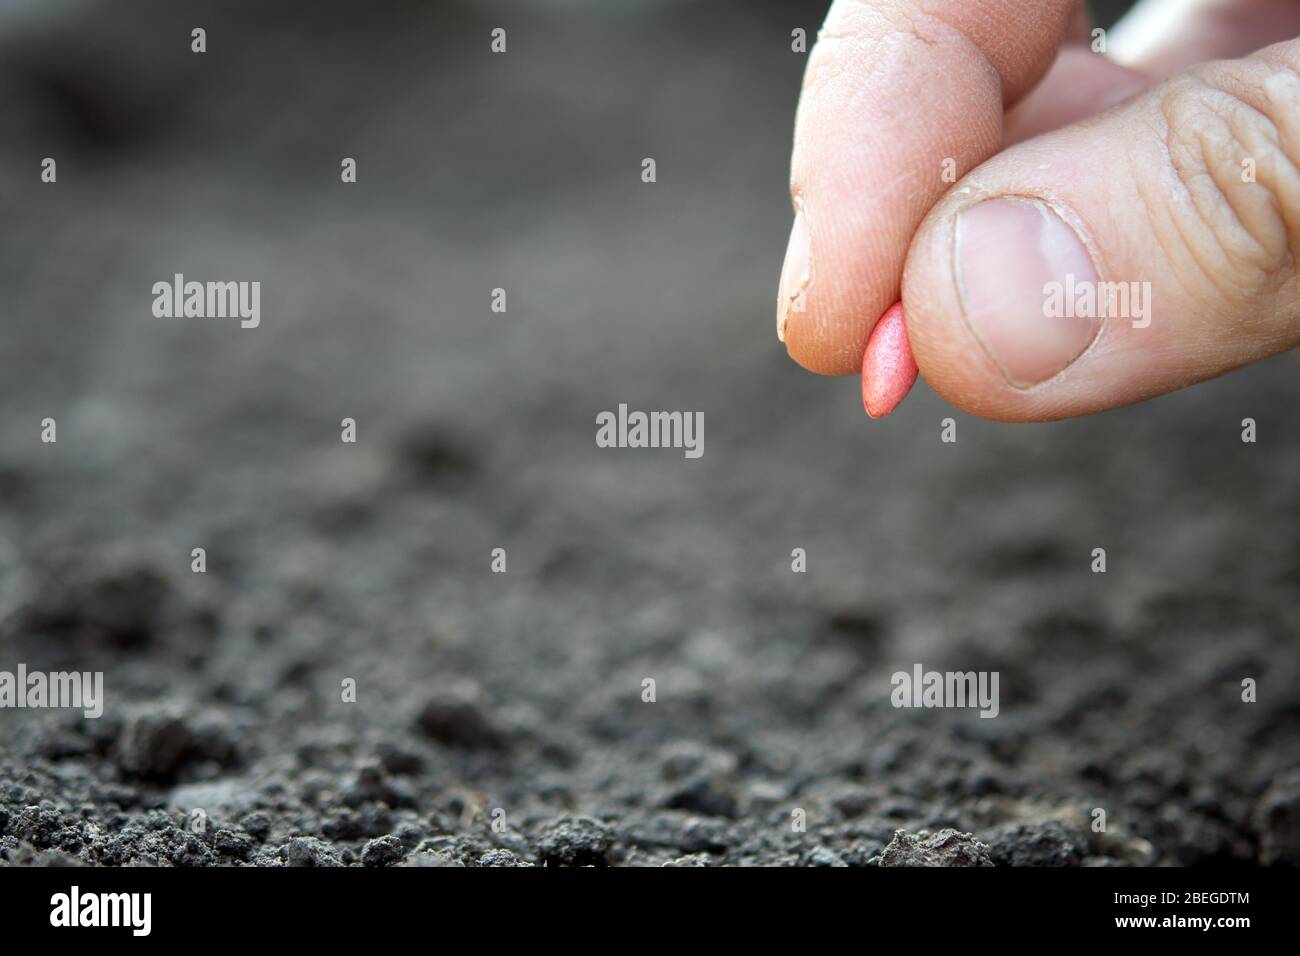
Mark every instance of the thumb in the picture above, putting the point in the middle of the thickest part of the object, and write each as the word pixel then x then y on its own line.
pixel 1125 256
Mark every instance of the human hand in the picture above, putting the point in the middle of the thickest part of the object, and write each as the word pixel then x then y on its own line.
pixel 1068 231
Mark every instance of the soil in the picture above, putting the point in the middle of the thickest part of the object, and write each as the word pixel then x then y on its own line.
pixel 499 718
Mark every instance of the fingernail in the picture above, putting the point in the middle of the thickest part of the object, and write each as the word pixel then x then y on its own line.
pixel 795 274
pixel 1014 256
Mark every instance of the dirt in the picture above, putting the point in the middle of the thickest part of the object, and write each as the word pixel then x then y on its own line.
pixel 499 718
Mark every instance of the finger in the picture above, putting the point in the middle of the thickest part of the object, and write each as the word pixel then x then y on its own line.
pixel 1161 37
pixel 1158 38
pixel 1185 201
pixel 1096 70
pixel 893 89
pixel 1081 25
pixel 1079 84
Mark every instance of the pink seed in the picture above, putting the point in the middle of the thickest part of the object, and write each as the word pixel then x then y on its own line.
pixel 888 367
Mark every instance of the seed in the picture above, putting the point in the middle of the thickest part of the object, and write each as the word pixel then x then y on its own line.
pixel 888 366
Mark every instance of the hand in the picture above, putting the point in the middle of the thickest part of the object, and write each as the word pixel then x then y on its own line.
pixel 1068 231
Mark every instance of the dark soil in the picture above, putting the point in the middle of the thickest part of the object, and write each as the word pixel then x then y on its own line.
pixel 516 698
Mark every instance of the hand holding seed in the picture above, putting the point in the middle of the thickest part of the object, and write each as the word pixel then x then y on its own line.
pixel 1073 220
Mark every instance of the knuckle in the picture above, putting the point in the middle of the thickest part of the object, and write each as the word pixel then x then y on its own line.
pixel 1233 147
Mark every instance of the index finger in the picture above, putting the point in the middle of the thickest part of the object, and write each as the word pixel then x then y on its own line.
pixel 901 98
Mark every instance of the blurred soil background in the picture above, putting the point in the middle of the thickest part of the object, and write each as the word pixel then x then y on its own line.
pixel 522 691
